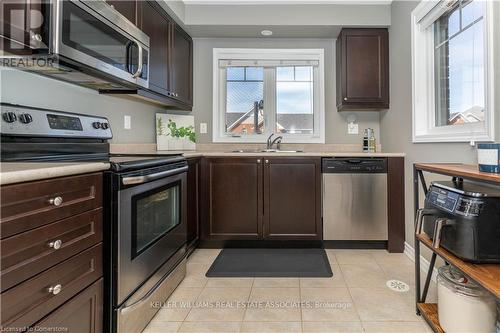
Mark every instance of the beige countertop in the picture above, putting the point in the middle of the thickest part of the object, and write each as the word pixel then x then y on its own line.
pixel 15 172
pixel 188 154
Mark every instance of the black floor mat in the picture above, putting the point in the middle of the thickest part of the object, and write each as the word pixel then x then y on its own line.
pixel 271 263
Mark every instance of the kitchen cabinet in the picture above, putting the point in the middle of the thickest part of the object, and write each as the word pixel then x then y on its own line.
pixel 292 198
pixel 127 8
pixel 258 198
pixel 156 25
pixel 81 314
pixel 51 251
pixel 181 66
pixel 233 198
pixel 193 202
pixel 363 69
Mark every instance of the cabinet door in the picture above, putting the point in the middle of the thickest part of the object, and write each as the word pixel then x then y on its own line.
pixel 125 7
pixel 363 76
pixel 82 314
pixel 193 182
pixel 181 66
pixel 292 198
pixel 234 198
pixel 154 24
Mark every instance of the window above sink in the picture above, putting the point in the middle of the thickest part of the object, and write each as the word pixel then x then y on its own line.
pixel 258 92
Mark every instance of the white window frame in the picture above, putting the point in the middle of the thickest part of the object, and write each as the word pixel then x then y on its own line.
pixel 423 93
pixel 219 91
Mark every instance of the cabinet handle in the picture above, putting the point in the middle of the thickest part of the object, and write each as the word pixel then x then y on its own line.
pixel 258 161
pixel 267 161
pixel 54 290
pixel 57 201
pixel 345 98
pixel 56 245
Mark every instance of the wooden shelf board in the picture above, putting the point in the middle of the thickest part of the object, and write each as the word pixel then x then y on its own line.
pixel 470 171
pixel 430 313
pixel 487 275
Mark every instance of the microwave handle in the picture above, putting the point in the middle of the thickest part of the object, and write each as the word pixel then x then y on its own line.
pixel 140 61
pixel 147 178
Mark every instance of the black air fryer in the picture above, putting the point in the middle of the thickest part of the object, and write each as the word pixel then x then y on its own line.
pixel 469 214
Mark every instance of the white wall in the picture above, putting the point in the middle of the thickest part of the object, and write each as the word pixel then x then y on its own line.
pixel 336 124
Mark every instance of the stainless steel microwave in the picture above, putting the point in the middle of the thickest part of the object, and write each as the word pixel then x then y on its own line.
pixel 88 43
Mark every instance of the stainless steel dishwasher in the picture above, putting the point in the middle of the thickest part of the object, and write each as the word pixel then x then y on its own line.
pixel 355 199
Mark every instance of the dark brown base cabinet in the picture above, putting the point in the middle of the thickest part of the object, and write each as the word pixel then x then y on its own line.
pixel 362 69
pixel 258 198
pixel 82 314
pixel 51 254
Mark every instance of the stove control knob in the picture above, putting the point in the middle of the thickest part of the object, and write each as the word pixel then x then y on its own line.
pixel 25 118
pixel 9 117
pixel 96 125
pixel 104 126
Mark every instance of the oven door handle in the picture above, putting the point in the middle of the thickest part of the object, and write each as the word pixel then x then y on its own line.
pixel 153 176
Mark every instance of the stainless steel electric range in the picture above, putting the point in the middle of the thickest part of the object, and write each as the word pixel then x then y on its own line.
pixel 145 225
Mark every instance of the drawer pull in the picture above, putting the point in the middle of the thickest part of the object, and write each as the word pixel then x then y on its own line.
pixel 57 201
pixel 56 245
pixel 55 289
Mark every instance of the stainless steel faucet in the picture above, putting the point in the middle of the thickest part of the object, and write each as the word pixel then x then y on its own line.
pixel 276 141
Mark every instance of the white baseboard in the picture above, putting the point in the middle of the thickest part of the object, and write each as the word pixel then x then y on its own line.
pixel 424 263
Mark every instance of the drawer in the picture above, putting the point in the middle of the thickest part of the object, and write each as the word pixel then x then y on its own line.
pixel 29 253
pixel 82 314
pixel 30 205
pixel 33 299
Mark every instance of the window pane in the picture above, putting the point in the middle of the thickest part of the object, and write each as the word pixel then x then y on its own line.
pixel 303 73
pixel 294 101
pixel 284 73
pixel 460 78
pixel 235 73
pixel 254 73
pixel 471 11
pixel 242 92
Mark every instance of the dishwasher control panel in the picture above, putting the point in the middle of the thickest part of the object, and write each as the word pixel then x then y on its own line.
pixel 354 165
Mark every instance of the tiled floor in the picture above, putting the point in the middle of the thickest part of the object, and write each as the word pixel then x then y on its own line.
pixel 355 299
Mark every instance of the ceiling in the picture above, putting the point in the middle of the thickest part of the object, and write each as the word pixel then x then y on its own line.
pixel 285 18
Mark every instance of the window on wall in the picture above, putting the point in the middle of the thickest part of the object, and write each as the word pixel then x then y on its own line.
pixel 258 92
pixel 452 87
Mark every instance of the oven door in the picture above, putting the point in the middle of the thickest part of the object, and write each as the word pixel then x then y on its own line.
pixel 94 34
pixel 151 229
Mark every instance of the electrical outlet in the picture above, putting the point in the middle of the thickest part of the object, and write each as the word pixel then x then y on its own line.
pixel 127 122
pixel 203 128
pixel 352 128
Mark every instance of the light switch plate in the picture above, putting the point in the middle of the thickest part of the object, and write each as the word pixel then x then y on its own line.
pixel 203 128
pixel 127 122
pixel 352 128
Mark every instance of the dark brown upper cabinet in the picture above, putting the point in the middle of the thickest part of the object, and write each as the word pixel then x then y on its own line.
pixel 181 57
pixel 363 69
pixel 156 25
pixel 127 8
pixel 170 54
pixel 256 198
